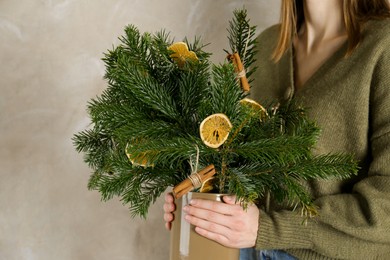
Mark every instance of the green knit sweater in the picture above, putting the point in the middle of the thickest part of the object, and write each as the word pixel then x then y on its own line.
pixel 350 100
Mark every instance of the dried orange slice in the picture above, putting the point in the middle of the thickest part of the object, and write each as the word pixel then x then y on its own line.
pixel 254 106
pixel 181 53
pixel 214 130
pixel 207 185
pixel 139 160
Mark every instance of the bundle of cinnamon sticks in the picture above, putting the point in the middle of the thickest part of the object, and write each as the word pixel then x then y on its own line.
pixel 193 181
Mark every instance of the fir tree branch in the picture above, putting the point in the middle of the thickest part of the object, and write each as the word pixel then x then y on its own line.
pixel 242 40
pixel 147 90
pixel 95 145
pixel 243 187
pixel 193 86
pixel 146 129
pixel 169 152
pixel 327 166
pixel 280 150
pixel 224 92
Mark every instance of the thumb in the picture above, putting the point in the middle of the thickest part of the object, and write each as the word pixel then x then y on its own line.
pixel 230 200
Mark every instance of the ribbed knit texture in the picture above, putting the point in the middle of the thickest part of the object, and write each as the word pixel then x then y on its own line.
pixel 349 98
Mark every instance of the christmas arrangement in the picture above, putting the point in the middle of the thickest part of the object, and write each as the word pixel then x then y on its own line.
pixel 171 118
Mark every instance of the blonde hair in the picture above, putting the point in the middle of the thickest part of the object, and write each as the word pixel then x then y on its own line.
pixel 356 13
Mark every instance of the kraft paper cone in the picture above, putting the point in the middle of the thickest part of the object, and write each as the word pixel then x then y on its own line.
pixel 186 244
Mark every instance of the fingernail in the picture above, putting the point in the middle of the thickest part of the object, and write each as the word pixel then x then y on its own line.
pixel 185 209
pixel 193 202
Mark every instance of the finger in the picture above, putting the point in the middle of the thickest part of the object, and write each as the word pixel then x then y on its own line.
pixel 169 207
pixel 213 206
pixel 168 226
pixel 208 226
pixel 168 217
pixel 207 215
pixel 169 197
pixel 230 200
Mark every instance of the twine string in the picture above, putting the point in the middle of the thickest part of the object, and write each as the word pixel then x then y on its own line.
pixel 241 74
pixel 195 178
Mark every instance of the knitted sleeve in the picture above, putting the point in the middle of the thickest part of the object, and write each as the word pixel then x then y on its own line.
pixel 353 225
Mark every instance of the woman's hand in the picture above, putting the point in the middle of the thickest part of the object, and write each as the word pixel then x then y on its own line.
pixel 169 208
pixel 226 223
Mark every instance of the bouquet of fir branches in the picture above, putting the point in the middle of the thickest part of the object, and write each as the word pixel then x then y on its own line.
pixel 169 117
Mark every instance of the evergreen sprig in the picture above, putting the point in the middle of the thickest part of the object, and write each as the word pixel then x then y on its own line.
pixel 242 40
pixel 145 132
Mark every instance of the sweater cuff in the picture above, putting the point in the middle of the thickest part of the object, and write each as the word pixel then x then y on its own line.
pixel 283 230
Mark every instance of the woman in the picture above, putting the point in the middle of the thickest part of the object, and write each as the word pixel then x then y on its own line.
pixel 333 56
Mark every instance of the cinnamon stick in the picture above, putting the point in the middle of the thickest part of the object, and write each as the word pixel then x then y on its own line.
pixel 193 181
pixel 239 67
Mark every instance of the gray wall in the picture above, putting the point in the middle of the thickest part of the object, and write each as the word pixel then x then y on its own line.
pixel 50 66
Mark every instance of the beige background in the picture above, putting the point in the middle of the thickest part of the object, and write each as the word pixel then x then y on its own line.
pixel 50 53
